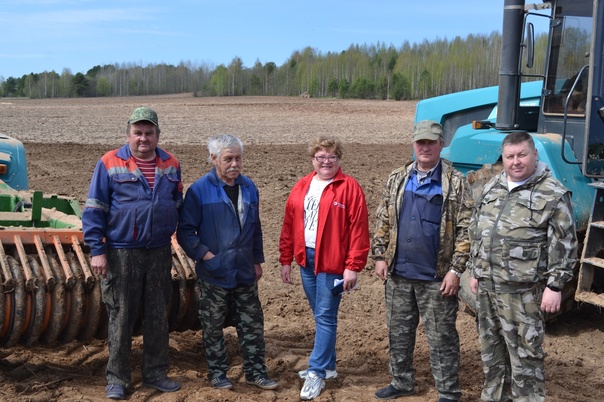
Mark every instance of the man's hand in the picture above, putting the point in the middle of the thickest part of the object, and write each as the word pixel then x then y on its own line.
pixel 98 263
pixel 258 271
pixel 473 285
pixel 381 269
pixel 550 302
pixel 450 285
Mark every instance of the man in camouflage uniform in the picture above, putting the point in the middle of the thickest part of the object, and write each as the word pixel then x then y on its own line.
pixel 420 248
pixel 220 229
pixel 523 249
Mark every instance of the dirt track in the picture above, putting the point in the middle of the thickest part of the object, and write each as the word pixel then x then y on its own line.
pixel 64 139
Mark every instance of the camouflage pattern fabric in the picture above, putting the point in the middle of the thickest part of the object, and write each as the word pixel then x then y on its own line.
pixel 214 305
pixel 457 209
pixel 524 236
pixel 138 283
pixel 407 301
pixel 511 332
pixel 521 240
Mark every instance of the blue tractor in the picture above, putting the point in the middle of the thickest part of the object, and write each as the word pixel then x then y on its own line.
pixel 563 109
pixel 13 170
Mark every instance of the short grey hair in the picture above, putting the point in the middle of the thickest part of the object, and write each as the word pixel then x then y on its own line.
pixel 222 141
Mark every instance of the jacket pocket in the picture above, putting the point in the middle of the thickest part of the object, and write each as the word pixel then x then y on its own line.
pixel 127 187
pixel 521 259
pixel 108 292
pixel 213 266
pixel 253 215
pixel 531 211
pixel 433 209
pixel 122 227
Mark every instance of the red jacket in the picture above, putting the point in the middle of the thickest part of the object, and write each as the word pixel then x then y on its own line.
pixel 343 226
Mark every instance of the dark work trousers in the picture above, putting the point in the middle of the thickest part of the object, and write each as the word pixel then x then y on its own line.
pixel 138 283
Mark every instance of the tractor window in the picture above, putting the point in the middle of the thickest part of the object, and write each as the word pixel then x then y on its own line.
pixel 566 79
pixel 452 121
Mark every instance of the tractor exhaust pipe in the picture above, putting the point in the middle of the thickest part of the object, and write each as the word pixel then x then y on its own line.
pixel 509 74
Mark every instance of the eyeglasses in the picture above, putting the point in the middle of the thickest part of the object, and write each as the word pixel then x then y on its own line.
pixel 324 158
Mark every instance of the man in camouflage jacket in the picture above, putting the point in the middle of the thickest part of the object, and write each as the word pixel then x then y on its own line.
pixel 453 237
pixel 524 247
pixel 420 248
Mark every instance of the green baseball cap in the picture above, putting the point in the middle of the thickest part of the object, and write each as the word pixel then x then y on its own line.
pixel 144 113
pixel 427 130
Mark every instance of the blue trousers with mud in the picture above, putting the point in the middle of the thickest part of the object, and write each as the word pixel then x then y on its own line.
pixel 239 306
pixel 137 284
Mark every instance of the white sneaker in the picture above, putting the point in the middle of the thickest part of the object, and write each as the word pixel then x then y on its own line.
pixel 312 386
pixel 329 374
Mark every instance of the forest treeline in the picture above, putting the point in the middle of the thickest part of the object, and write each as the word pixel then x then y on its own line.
pixel 377 71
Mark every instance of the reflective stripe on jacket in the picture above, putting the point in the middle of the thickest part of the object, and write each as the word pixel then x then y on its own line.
pixel 122 208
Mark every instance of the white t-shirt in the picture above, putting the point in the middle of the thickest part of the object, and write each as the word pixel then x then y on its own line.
pixel 513 184
pixel 311 210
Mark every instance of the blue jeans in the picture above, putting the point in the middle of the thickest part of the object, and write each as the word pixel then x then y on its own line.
pixel 324 306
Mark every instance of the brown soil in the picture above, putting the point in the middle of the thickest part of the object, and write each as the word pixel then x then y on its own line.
pixel 64 139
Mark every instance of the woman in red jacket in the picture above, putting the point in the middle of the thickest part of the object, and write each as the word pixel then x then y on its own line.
pixel 326 230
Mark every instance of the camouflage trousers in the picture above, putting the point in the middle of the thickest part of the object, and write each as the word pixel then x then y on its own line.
pixel 511 332
pixel 406 301
pixel 137 284
pixel 214 305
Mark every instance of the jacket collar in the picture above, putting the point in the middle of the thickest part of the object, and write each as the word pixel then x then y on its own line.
pixel 445 164
pixel 339 175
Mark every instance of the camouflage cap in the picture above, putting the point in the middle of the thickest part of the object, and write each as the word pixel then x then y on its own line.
pixel 427 130
pixel 144 113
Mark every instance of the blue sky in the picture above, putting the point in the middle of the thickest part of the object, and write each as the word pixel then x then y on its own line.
pixel 46 35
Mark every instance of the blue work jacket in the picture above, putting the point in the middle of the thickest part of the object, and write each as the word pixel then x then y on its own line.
pixel 209 222
pixel 123 211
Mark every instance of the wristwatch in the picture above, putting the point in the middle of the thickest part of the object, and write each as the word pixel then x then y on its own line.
pixel 458 274
pixel 554 288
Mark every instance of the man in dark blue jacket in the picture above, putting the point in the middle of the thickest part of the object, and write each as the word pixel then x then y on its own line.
pixel 129 218
pixel 220 229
